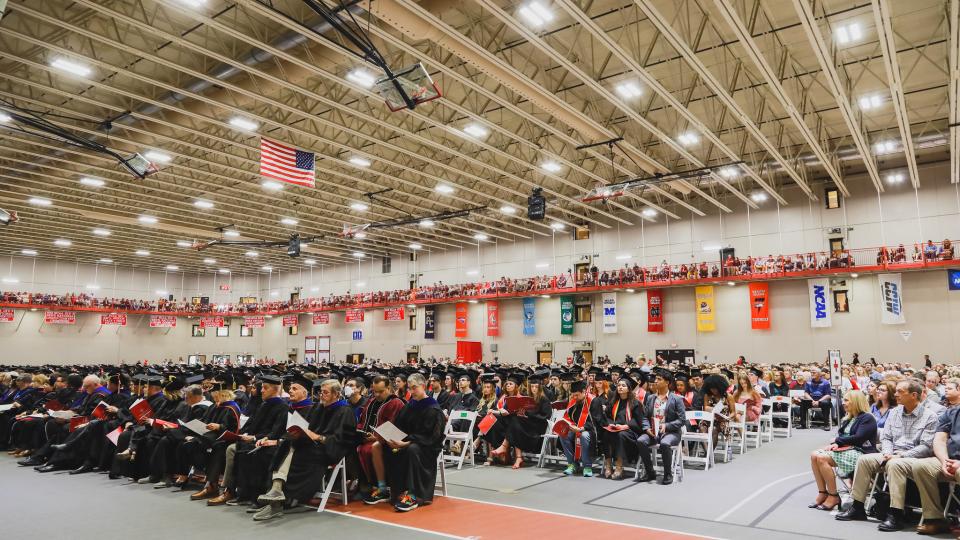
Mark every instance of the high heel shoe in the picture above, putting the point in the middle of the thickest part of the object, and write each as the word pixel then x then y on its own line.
pixel 822 506
pixel 817 504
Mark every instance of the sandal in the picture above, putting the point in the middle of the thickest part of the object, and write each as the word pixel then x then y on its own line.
pixel 518 463
pixel 817 504
pixel 822 506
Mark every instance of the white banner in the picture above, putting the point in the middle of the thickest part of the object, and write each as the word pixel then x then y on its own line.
pixel 609 313
pixel 891 299
pixel 820 308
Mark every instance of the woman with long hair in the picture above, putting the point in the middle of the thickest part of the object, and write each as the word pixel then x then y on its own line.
pixel 857 435
pixel 714 394
pixel 526 428
pixel 745 393
pixel 485 403
pixel 496 437
pixel 886 399
pixel 624 418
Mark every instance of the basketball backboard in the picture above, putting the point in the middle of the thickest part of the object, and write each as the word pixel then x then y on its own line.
pixel 416 84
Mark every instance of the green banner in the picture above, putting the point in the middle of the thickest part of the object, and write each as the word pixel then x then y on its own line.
pixel 566 314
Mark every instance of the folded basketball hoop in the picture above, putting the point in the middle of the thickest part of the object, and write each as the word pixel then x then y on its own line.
pixel 140 166
pixel 414 81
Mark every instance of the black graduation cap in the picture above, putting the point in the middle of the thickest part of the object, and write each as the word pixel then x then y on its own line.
pixel 270 377
pixel 629 382
pixel 306 383
pixel 194 379
pixel 593 370
pixel 756 371
pixel 153 380
pixel 537 377
pixel 579 385
pixel 617 369
pixel 488 378
pixel 602 377
pixel 174 383
pixel 695 372
pixel 726 373
pixel 516 376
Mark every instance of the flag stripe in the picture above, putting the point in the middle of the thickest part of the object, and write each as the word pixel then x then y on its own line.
pixel 287 164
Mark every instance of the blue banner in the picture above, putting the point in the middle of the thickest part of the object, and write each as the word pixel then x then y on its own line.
pixel 529 325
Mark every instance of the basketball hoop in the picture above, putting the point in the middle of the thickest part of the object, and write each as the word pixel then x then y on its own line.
pixel 414 81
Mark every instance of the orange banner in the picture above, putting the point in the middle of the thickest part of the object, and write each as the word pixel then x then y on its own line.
pixel 461 319
pixel 760 306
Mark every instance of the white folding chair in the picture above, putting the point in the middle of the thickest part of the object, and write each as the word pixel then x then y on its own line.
pixel 796 395
pixel 339 471
pixel 465 438
pixel 441 475
pixel 724 440
pixel 701 440
pixel 752 430
pixel 550 450
pixel 781 415
pixel 739 428
pixel 766 421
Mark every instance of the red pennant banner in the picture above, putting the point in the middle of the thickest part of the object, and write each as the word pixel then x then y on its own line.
pixel 321 318
pixel 290 320
pixel 60 317
pixel 493 318
pixel 354 315
pixel 393 313
pixel 760 306
pixel 254 322
pixel 163 321
pixel 461 319
pixel 211 322
pixel 114 319
pixel 225 287
pixel 6 315
pixel 655 310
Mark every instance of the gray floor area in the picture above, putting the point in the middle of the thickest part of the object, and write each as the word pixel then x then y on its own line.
pixel 762 494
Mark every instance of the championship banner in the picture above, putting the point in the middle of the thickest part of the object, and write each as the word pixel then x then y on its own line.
pixel 59 317
pixel 820 312
pixel 706 312
pixel 461 320
pixel 290 320
pixel 891 299
pixel 354 315
pixel 393 313
pixel 6 315
pixel 493 318
pixel 211 322
pixel 163 321
pixel 321 318
pixel 529 312
pixel 760 306
pixel 655 310
pixel 566 315
pixel 254 322
pixel 609 313
pixel 114 319
pixel 430 322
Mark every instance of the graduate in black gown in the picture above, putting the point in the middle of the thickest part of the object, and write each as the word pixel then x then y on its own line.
pixel 625 421
pixel 206 452
pixel 412 462
pixel 21 397
pixel 525 429
pixel 162 459
pixel 59 435
pixel 303 456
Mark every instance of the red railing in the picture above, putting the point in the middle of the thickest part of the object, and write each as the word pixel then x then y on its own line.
pixel 865 261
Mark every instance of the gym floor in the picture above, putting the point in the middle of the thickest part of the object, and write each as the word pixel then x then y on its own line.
pixel 762 494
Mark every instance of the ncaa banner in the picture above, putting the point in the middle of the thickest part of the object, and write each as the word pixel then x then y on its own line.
pixel 760 306
pixel 529 312
pixel 353 315
pixel 321 318
pixel 430 322
pixel 290 320
pixel 393 313
pixel 163 321
pixel 255 321
pixel 566 315
pixel 891 299
pixel 820 312
pixel 113 319
pixel 655 310
pixel 211 322
pixel 493 318
pixel 609 303
pixel 706 310
pixel 59 317
pixel 461 320
pixel 6 315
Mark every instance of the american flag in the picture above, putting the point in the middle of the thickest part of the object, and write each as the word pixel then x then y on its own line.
pixel 286 164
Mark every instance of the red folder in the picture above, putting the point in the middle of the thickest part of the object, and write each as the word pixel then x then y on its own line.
pixel 141 410
pixel 559 405
pixel 618 429
pixel 561 428
pixel 54 405
pixel 517 403
pixel 229 436
pixel 164 423
pixel 114 435
pixel 76 422
pixel 100 411
pixel 488 421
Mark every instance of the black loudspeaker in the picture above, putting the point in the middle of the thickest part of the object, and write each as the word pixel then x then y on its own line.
pixel 724 252
pixel 536 205
pixel 293 248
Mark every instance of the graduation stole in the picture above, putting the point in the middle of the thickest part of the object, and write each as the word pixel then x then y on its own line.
pixel 234 408
pixel 688 399
pixel 301 404
pixel 581 421
pixel 616 406
pixel 338 403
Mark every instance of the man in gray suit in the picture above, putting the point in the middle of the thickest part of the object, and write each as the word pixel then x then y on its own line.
pixel 666 415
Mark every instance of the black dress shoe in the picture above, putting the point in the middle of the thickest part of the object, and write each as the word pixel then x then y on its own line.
pixel 113 476
pixel 47 468
pixel 82 469
pixel 667 479
pixel 30 462
pixel 856 512
pixel 894 521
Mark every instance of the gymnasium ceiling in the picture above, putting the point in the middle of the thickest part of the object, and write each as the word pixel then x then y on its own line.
pixel 769 83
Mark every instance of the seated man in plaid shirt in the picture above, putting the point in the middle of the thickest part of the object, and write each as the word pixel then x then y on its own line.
pixel 907 436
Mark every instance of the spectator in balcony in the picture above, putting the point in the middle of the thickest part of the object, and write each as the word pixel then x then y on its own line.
pixel 947 253
pixel 900 255
pixel 931 251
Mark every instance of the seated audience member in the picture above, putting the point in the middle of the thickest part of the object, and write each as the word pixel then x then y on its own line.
pixel 716 396
pixel 816 393
pixel 747 394
pixel 412 463
pixel 669 416
pixel 582 417
pixel 908 434
pixel 886 399
pixel 933 387
pixel 951 392
pixel 381 409
pixel 624 421
pixel 857 436
pixel 303 456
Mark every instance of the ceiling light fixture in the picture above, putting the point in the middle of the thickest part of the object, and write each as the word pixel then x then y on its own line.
pixel 224 270
pixel 147 220
pixel 536 14
pixel 62 242
pixel 309 262
pixel 729 172
pixel 4 117
pixel 688 139
pixel 628 90
pixel 252 253
pixel 101 232
pixel 232 233
pixel 244 124
pixel 28 252
pixel 39 201
pixel 444 188
pixel 476 131
pixel 557 226
pixel 209 261
pixel 158 157
pixel 289 221
pixel 360 235
pixel 870 102
pixel 271 185
pixel 759 197
pixel 105 261
pixel 72 67
pixel 172 267
pixel 551 166
pixel 884 147
pixel 359 254
pixel 92 182
pixel 183 244
pixel 848 33
pixel 206 205
pixel 267 268
pixel 481 237
pixel 360 162
pixel 362 77
pixel 359 207
pixel 415 246
pixel 507 209
pixel 142 253
pixel 649 212
pixel 895 178
pixel 426 223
